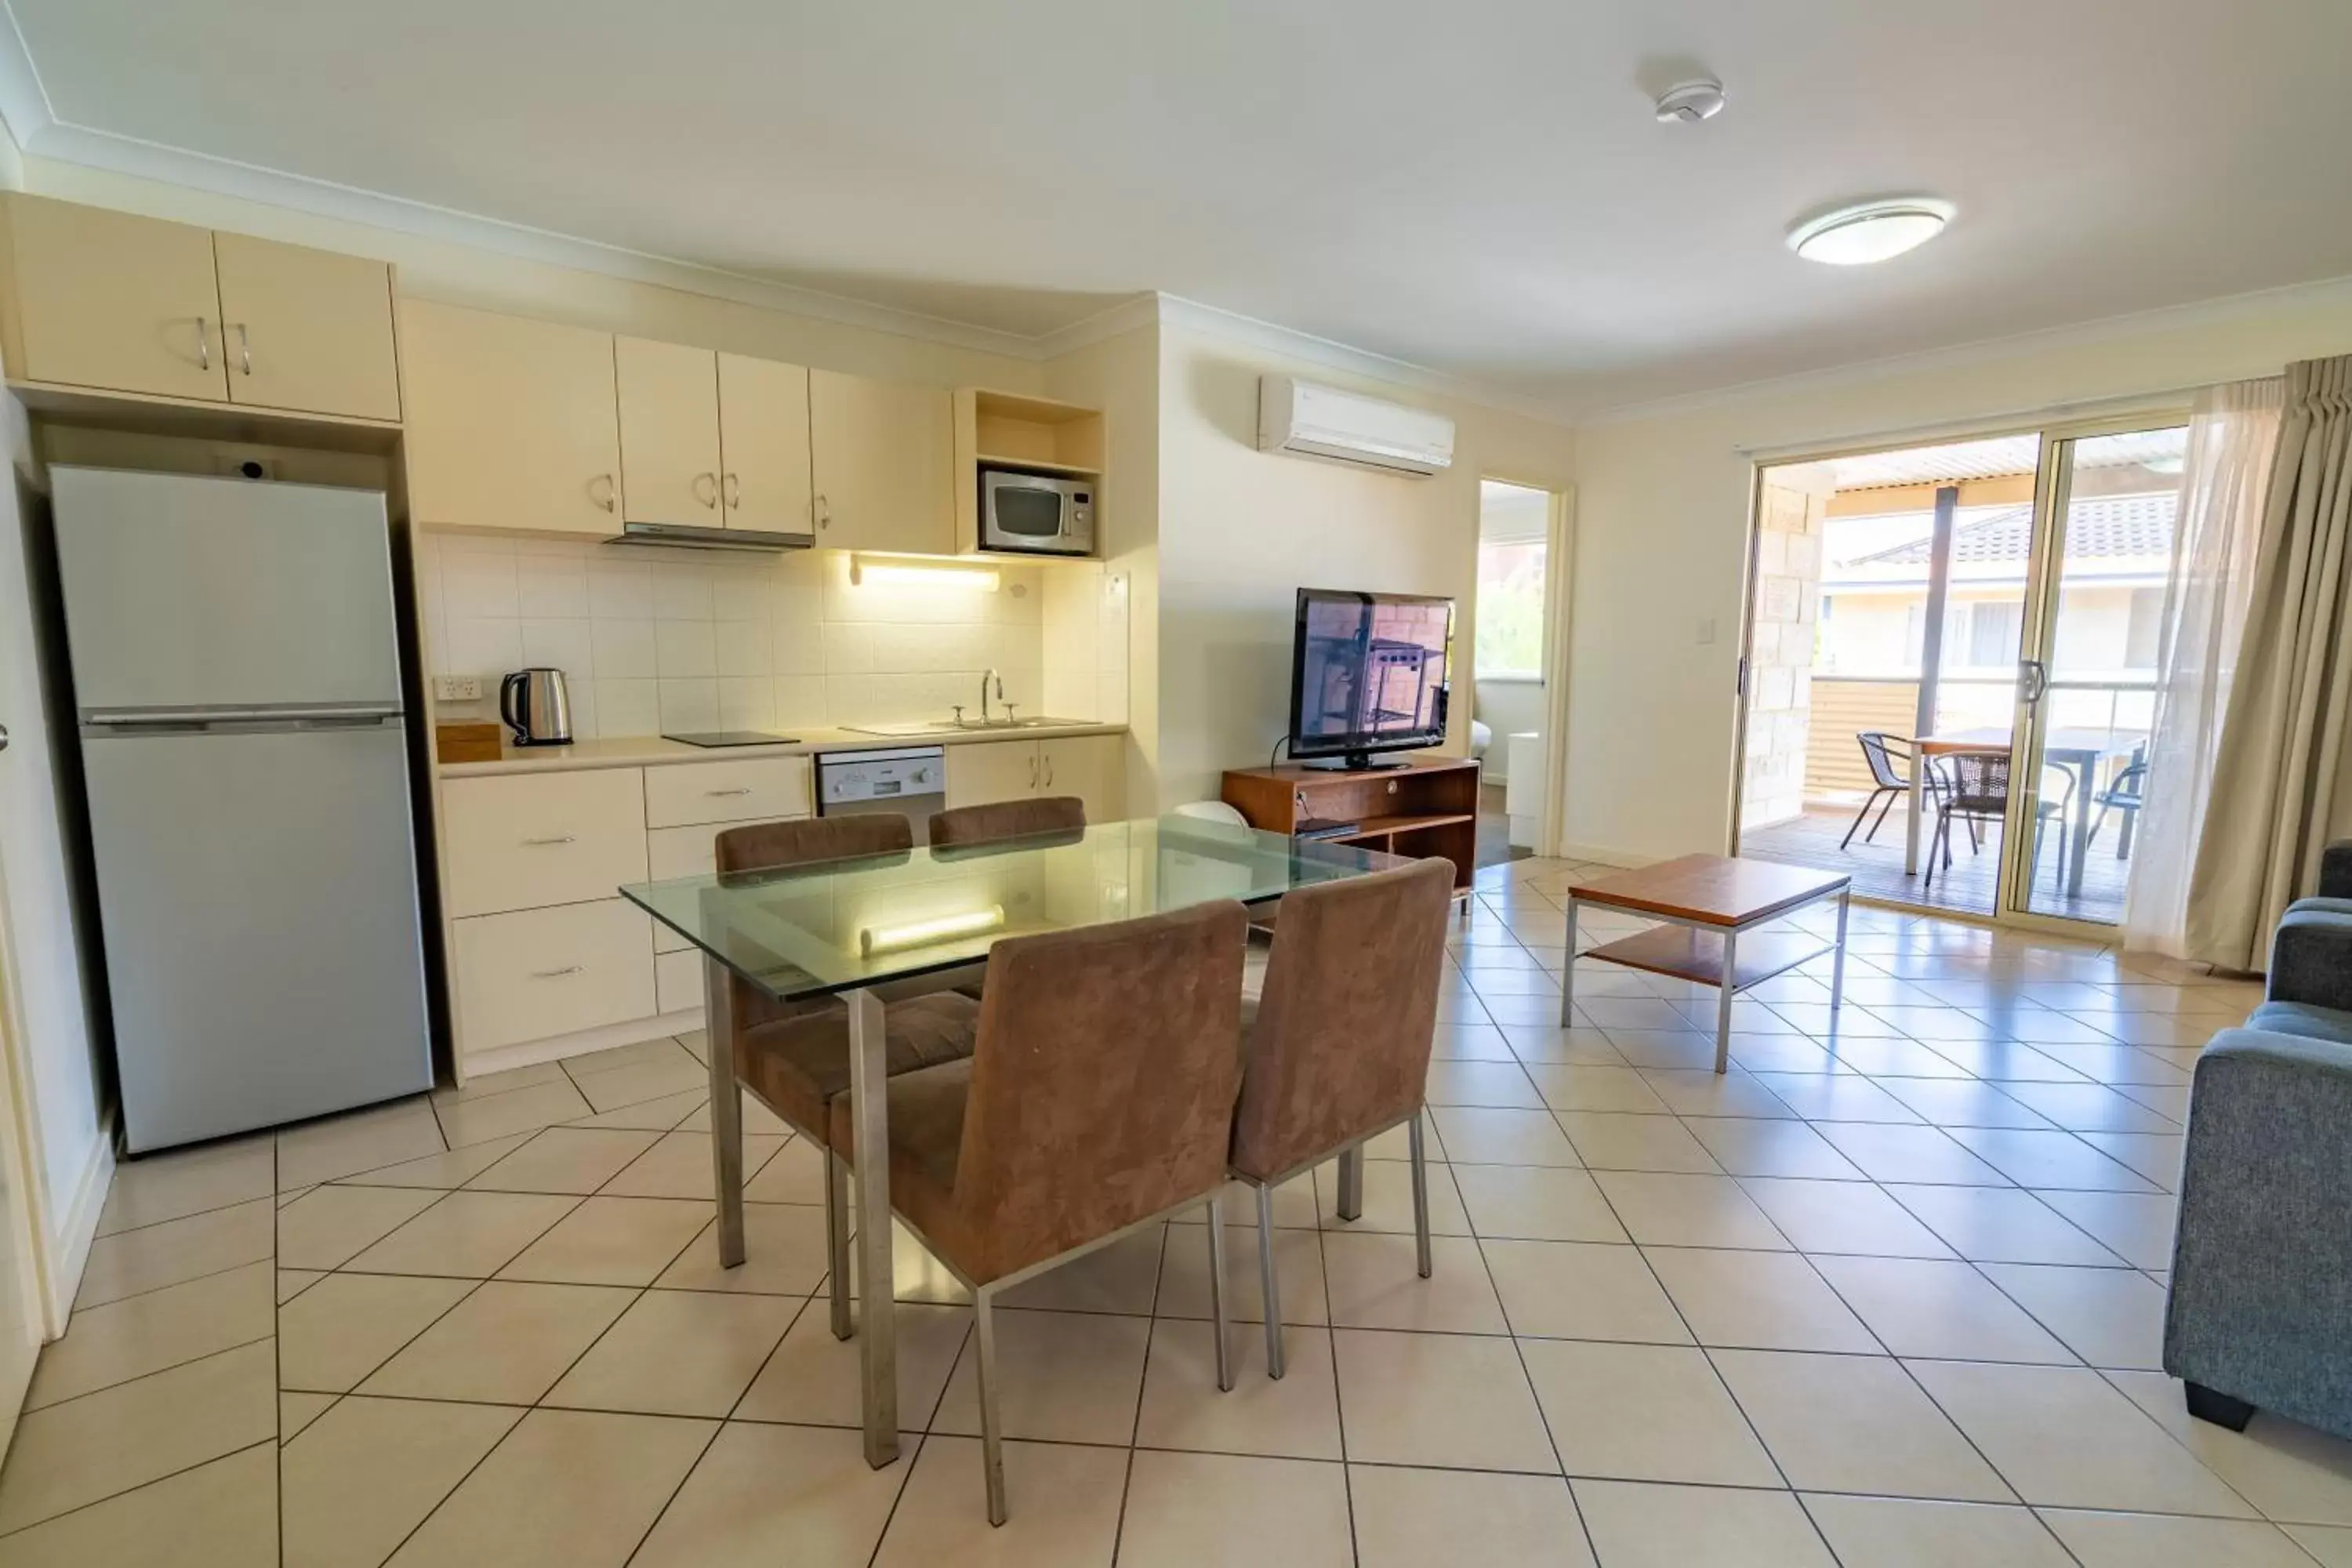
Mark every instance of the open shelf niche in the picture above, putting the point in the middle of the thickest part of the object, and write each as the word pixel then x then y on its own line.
pixel 1014 430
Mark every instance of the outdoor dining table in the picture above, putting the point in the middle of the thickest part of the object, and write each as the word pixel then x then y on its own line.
pixel 846 929
pixel 2081 750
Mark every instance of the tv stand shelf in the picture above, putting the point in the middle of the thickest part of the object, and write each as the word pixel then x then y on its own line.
pixel 1427 807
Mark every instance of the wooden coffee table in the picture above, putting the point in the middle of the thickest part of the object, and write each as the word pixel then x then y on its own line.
pixel 1710 902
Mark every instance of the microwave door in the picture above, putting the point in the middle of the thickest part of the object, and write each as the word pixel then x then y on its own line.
pixel 1029 514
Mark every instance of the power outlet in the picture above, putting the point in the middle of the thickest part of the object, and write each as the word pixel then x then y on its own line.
pixel 456 689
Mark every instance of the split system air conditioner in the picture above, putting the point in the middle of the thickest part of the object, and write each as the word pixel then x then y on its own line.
pixel 1346 426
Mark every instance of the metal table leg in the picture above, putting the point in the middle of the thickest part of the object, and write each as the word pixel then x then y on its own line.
pixel 726 1107
pixel 1914 808
pixel 2078 832
pixel 1837 960
pixel 1723 1003
pixel 1350 1204
pixel 877 1338
pixel 1568 973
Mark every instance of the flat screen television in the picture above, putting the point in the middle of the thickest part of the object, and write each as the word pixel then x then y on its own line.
pixel 1367 675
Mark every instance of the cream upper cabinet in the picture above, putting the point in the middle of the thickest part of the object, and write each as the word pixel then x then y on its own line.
pixel 306 329
pixel 882 454
pixel 764 438
pixel 109 300
pixel 984 770
pixel 670 432
pixel 511 423
pixel 1092 767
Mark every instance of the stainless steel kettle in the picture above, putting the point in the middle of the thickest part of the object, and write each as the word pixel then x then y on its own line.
pixel 536 707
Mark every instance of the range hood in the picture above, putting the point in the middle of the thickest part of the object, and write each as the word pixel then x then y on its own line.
pixel 686 536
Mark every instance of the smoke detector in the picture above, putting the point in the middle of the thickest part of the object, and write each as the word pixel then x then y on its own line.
pixel 1690 102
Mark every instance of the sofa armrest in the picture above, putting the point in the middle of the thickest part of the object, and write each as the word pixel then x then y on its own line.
pixel 2336 870
pixel 2311 960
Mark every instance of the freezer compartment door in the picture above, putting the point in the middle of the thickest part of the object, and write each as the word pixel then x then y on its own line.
pixel 192 593
pixel 258 893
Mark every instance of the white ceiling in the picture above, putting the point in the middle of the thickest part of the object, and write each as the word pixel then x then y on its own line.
pixel 1477 187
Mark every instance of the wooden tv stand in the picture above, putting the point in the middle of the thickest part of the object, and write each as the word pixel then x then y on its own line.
pixel 1427 807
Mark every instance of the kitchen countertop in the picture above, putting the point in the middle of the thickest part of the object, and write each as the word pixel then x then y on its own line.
pixel 642 750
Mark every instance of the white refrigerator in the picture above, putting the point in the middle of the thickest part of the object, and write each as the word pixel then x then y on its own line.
pixel 237 683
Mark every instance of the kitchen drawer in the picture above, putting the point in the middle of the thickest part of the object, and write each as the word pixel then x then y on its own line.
pixel 538 972
pixel 683 852
pixel 521 841
pixel 750 790
pixel 677 981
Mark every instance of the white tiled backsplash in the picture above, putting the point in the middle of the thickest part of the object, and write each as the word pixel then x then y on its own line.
pixel 653 639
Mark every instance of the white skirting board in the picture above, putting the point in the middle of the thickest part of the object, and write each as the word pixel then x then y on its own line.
pixel 69 1251
pixel 531 1053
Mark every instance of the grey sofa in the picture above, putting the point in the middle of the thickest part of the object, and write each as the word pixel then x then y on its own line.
pixel 2260 1310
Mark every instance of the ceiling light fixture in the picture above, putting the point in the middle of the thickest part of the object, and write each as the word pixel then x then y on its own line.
pixel 1688 102
pixel 1871 231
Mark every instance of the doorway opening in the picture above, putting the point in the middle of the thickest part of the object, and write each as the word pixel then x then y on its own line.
pixel 1508 711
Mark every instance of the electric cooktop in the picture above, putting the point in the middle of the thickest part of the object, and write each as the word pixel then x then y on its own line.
pixel 729 738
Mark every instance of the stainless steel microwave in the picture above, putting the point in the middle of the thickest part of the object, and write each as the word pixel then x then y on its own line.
pixel 1036 513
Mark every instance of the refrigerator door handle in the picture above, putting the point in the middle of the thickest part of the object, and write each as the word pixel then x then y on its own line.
pixel 184 719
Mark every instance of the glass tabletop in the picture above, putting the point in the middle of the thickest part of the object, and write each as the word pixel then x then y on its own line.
pixel 811 930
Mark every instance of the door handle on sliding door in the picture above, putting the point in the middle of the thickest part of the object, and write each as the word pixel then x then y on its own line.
pixel 2035 677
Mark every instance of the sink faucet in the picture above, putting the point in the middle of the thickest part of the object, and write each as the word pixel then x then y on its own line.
pixel 989 677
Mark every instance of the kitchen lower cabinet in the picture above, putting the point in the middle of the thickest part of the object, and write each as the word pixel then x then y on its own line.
pixel 882 456
pixel 980 772
pixel 532 974
pixel 1091 767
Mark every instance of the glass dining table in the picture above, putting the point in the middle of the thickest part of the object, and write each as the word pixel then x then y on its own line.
pixel 846 929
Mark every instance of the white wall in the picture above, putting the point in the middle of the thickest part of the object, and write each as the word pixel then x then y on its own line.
pixel 1662 516
pixel 1507 708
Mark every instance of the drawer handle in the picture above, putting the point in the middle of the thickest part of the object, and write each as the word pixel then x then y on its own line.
pixel 745 790
pixel 542 843
pixel 555 974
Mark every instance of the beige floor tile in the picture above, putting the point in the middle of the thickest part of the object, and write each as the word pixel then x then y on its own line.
pixel 1644 1413
pixel 481 1086
pixel 344 1327
pixel 445 1170
pixel 1470 1043
pixel 1461 1519
pixel 1637 1526
pixel 1374 1283
pixel 1536 1203
pixel 2090 1107
pixel 296 1410
pixel 1835 1097
pixel 1570 1087
pixel 142 1334
pixel 812 1378
pixel 2155 1156
pixel 1063 1507
pixel 2135 1227
pixel 367 1472
pixel 1746 1146
pixel 1581 1290
pixel 1855 1424
pixel 1183 1509
pixel 768 1495
pixel 566 1487
pixel 474 1121
pixel 1758 1300
pixel 1065 1377
pixel 131 1262
pixel 1609 1140
pixel 158 1187
pixel 2290 1472
pixel 2109 1317
pixel 1841 1216
pixel 1549 1044
pixel 678 1166
pixel 783 1255
pixel 1669 1209
pixel 1123 1277
pixel 2156 1540
pixel 2064 1438
pixel 1703 1091
pixel 1480 1083
pixel 1886 1151
pixel 757 1118
pixel 793 1174
pixel 223 1514
pixel 73 1454
pixel 1486 1137
pixel 1907 1532
pixel 466 1235
pixel 328 1227
pixel 678 1352
pixel 612 1241
pixel 1670 1050
pixel 2001 1225
pixel 505 1344
pixel 672 1112
pixel 2033 1159
pixel 1444 1401
pixel 641 1052
pixel 1388 1198
pixel 676 1074
pixel 577 1160
pixel 1298 1266
pixel 1296 1416
pixel 1956 1102
pixel 362 1140
pixel 1926 1307
pixel 2331 1546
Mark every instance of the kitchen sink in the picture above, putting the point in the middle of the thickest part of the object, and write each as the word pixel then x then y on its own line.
pixel 970 726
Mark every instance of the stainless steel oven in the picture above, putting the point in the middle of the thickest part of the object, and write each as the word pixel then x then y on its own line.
pixel 1041 513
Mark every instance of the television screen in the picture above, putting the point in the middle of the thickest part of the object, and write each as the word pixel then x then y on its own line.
pixel 1368 672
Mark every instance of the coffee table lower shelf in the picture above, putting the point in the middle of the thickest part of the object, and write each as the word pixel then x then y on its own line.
pixel 1686 953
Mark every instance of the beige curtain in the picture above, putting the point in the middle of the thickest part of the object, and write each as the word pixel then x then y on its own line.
pixel 2282 787
pixel 2216 533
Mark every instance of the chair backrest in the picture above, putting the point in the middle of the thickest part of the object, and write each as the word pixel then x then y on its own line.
pixel 1340 1047
pixel 1980 779
pixel 1007 819
pixel 1880 749
pixel 1102 1081
pixel 812 838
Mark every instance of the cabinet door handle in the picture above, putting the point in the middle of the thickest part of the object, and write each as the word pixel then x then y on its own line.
pixel 823 512
pixel 611 491
pixel 555 974
pixel 245 347
pixel 731 489
pixel 542 843
pixel 709 499
pixel 203 346
pixel 745 790
pixel 1032 772
pixel 1049 771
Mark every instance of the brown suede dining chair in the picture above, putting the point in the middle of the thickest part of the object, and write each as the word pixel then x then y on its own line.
pixel 1338 1051
pixel 1000 819
pixel 794 1056
pixel 1099 1100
